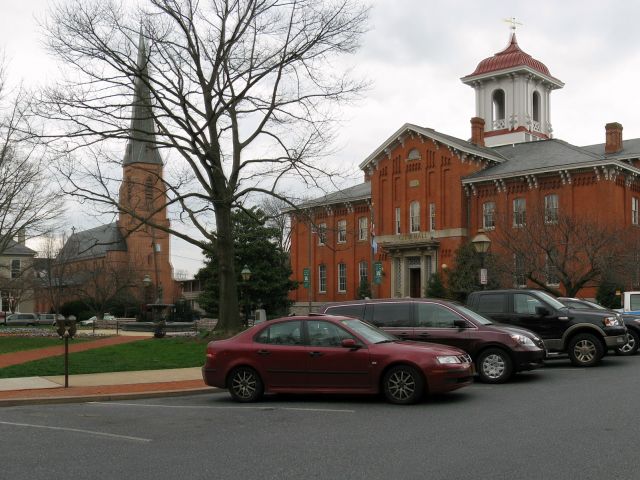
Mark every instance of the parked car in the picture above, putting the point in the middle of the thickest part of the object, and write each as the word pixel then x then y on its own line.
pixel 327 354
pixel 49 318
pixel 90 321
pixel 583 334
pixel 631 321
pixel 498 351
pixel 22 319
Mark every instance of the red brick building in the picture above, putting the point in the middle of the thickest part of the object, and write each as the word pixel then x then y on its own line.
pixel 425 192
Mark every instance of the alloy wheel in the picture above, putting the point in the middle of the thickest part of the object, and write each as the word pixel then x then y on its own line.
pixel 402 385
pixel 244 384
pixel 493 366
pixel 585 351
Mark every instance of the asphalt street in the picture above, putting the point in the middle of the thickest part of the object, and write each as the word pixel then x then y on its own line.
pixel 557 423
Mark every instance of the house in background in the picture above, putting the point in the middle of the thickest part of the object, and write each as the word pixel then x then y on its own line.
pixel 17 277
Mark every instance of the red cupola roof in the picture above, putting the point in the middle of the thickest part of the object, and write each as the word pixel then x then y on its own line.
pixel 510 57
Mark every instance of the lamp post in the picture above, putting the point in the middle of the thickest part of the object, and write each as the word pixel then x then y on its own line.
pixel 481 244
pixel 245 273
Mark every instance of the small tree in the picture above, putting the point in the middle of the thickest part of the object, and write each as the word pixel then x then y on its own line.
pixel 464 277
pixel 436 288
pixel 364 290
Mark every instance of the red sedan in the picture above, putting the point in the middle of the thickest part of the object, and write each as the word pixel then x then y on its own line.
pixel 328 354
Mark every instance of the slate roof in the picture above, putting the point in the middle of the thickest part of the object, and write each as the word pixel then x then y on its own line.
pixel 93 243
pixel 630 149
pixel 17 249
pixel 358 192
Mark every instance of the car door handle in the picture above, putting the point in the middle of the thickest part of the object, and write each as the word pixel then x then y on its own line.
pixel 315 354
pixel 264 352
pixel 425 335
pixel 403 334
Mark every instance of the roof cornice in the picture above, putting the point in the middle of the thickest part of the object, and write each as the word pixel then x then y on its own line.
pixel 553 82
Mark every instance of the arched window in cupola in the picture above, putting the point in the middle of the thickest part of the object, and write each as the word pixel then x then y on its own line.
pixel 498 108
pixel 536 106
pixel 414 154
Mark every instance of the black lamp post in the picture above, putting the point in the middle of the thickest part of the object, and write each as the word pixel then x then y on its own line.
pixel 481 244
pixel 245 273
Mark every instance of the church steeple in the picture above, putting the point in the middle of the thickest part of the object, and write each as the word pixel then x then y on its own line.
pixel 141 147
pixel 513 92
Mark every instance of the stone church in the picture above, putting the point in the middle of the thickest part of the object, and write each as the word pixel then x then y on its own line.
pixel 126 254
pixel 425 192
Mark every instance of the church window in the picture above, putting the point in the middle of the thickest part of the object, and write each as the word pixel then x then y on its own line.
pixel 519 212
pixel 414 154
pixel 342 231
pixel 148 190
pixel 432 217
pixel 414 217
pixel 15 268
pixel 322 278
pixel 634 211
pixel 342 277
pixel 536 107
pixel 488 215
pixel 362 228
pixel 551 208
pixel 397 221
pixel 498 105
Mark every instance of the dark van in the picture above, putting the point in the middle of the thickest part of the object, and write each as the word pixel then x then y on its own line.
pixel 497 351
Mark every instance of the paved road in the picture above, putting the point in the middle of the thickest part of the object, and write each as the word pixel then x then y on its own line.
pixel 557 423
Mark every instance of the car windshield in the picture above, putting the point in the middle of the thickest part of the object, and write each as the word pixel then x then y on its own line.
pixel 368 332
pixel 474 316
pixel 553 301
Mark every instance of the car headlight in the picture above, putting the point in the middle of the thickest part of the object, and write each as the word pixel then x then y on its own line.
pixel 522 340
pixel 448 359
pixel 611 321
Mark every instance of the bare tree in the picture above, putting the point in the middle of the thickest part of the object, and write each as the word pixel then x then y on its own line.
pixel 241 91
pixel 554 250
pixel 53 271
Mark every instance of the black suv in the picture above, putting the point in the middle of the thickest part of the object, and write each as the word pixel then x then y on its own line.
pixel 497 351
pixel 584 334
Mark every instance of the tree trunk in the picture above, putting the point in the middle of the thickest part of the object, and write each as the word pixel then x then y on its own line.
pixel 228 313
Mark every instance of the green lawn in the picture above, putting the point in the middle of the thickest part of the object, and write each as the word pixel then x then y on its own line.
pixel 152 354
pixel 16 344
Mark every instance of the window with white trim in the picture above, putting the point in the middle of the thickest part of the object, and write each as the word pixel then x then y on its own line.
pixel 551 208
pixel 342 231
pixel 519 212
pixel 398 220
pixel 322 234
pixel 551 271
pixel 15 268
pixel 414 217
pixel 488 215
pixel 519 275
pixel 432 217
pixel 322 278
pixel 342 277
pixel 362 228
pixel 634 211
pixel 363 272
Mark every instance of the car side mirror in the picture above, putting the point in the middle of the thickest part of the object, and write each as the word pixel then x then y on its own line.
pixel 350 343
pixel 542 311
pixel 460 323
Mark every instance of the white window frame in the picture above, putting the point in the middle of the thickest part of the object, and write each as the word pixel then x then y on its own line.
pixel 519 277
pixel 342 231
pixel 519 212
pixel 322 278
pixel 488 215
pixel 635 204
pixel 342 277
pixel 551 208
pixel 16 268
pixel 551 273
pixel 398 221
pixel 363 225
pixel 432 217
pixel 322 234
pixel 414 217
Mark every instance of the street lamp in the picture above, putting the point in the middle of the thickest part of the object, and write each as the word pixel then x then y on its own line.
pixel 481 244
pixel 245 273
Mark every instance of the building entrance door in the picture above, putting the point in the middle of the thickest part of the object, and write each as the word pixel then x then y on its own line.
pixel 415 285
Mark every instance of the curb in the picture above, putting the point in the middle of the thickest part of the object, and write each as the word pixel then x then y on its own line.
pixel 108 397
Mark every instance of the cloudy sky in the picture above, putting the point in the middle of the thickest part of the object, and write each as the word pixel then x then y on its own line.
pixel 417 50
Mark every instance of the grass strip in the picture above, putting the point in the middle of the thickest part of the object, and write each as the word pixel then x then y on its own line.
pixel 12 344
pixel 152 354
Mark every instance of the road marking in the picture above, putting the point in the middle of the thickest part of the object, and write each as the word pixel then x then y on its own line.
pixel 300 409
pixel 77 430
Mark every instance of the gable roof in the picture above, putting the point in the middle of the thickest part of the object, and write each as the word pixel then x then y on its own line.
pixel 356 193
pixel 18 249
pixel 409 129
pixel 93 243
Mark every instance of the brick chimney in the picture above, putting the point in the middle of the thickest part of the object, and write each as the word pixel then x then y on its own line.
pixel 614 138
pixel 21 236
pixel 477 131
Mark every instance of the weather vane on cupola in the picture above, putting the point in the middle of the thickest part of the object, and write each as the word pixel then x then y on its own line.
pixel 513 23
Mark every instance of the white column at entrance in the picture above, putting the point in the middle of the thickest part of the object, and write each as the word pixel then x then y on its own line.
pixel 424 274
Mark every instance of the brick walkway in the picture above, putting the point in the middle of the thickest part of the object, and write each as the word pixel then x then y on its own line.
pixel 16 358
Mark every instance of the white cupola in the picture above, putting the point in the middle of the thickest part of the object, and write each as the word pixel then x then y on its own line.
pixel 513 92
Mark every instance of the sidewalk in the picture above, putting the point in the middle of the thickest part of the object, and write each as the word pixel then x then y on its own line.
pixel 99 386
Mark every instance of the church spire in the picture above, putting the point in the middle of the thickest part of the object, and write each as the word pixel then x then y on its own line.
pixel 141 147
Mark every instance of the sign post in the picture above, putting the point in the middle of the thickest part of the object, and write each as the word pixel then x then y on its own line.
pixel 377 273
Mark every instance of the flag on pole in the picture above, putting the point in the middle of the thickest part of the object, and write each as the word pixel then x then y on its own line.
pixel 374 244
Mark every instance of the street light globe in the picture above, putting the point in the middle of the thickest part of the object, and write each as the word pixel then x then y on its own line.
pixel 146 281
pixel 245 273
pixel 481 243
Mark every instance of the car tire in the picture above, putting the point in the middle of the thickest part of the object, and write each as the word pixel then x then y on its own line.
pixel 585 350
pixel 245 385
pixel 494 365
pixel 403 385
pixel 631 347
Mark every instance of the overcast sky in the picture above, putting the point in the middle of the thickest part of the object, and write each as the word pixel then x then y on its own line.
pixel 417 50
